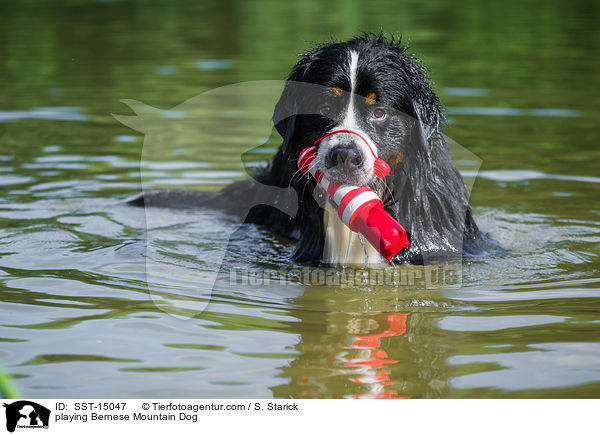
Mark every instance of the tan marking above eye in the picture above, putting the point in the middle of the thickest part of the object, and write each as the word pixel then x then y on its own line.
pixel 371 98
pixel 337 92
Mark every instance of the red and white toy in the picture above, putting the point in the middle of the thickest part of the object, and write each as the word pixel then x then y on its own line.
pixel 359 207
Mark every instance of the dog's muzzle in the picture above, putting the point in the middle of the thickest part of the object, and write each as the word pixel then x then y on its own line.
pixel 350 157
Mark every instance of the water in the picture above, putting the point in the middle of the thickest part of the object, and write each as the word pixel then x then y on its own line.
pixel 79 319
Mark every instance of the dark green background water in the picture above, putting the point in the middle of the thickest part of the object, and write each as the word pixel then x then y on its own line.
pixel 77 317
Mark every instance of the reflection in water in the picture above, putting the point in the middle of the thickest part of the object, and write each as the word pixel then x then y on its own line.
pixel 509 111
pixel 372 360
pixel 55 113
pixel 357 353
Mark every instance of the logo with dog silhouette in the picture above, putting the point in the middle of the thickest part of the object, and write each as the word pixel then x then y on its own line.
pixel 25 414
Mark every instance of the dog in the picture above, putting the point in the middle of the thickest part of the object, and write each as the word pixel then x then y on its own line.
pixel 364 100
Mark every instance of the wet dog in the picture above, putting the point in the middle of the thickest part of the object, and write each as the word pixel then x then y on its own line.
pixel 373 88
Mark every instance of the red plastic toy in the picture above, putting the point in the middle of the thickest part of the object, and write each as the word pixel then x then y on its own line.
pixel 359 207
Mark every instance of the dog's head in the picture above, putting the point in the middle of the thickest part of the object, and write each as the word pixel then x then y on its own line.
pixel 368 86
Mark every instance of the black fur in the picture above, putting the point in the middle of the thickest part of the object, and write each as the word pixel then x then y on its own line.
pixel 424 191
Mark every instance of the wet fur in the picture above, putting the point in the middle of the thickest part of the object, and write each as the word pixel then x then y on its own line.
pixel 424 190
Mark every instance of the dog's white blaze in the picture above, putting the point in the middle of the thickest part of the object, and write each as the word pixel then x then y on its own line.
pixel 353 69
pixel 343 247
pixel 350 115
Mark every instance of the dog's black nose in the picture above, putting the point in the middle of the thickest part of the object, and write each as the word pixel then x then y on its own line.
pixel 344 156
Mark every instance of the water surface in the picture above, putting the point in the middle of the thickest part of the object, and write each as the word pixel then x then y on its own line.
pixel 80 317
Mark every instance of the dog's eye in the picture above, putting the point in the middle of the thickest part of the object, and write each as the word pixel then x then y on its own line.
pixel 378 114
pixel 325 110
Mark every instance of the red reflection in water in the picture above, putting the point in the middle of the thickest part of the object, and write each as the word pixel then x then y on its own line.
pixel 360 358
pixel 374 361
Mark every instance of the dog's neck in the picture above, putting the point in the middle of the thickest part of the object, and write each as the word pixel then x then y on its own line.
pixel 344 247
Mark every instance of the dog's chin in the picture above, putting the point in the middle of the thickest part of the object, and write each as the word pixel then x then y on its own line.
pixel 357 177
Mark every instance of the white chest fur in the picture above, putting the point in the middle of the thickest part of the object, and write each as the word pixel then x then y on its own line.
pixel 344 247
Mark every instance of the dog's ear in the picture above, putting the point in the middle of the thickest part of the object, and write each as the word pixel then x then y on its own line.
pixel 426 125
pixel 423 120
pixel 428 113
pixel 285 113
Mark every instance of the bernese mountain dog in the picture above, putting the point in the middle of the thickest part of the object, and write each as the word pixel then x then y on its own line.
pixel 381 98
